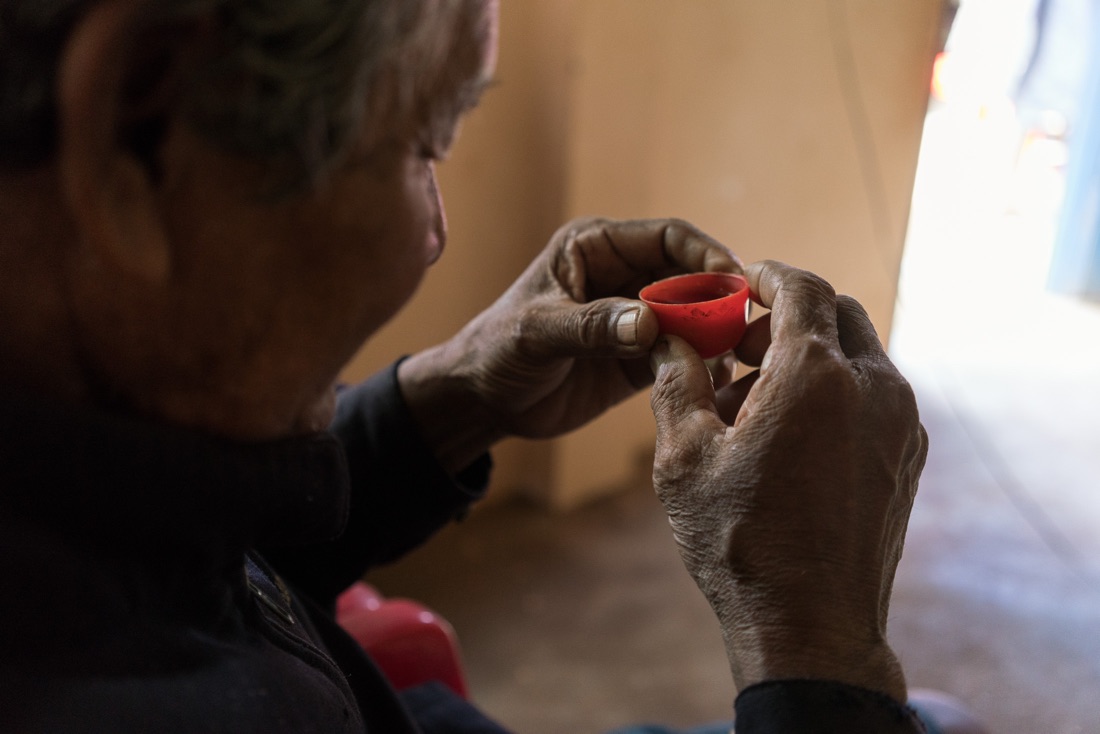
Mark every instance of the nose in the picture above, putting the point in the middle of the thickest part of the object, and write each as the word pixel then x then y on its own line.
pixel 439 223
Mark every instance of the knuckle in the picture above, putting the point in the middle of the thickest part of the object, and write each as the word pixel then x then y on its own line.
pixel 892 389
pixel 677 231
pixel 801 292
pixel 594 227
pixel 589 328
pixel 684 436
pixel 847 304
pixel 802 286
pixel 676 227
pixel 814 285
pixel 821 358
pixel 797 278
pixel 922 446
pixel 679 461
pixel 819 375
pixel 820 348
pixel 671 463
pixel 527 330
pixel 575 227
pixel 667 387
pixel 905 393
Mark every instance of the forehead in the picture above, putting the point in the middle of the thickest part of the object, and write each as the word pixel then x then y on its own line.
pixel 437 69
pixel 459 44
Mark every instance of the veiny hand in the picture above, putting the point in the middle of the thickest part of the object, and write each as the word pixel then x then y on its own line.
pixel 789 491
pixel 563 344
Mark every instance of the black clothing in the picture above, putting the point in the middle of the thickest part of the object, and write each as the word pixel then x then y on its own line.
pixel 133 600
pixel 821 707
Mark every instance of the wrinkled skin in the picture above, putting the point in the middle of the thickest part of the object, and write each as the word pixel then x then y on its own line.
pixel 789 491
pixel 563 344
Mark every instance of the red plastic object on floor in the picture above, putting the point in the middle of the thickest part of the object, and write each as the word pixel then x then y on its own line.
pixel 410 643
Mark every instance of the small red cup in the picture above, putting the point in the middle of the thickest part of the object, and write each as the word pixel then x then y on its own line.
pixel 708 310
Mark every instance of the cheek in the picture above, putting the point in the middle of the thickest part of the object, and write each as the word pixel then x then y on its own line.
pixel 393 235
pixel 414 241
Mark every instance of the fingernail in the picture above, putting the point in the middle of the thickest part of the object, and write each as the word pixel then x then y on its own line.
pixel 626 328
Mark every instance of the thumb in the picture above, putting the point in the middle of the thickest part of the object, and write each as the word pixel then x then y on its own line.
pixel 607 327
pixel 682 398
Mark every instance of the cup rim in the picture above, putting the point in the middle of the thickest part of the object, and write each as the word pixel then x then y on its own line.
pixel 683 276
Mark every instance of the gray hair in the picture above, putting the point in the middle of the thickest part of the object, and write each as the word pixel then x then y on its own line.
pixel 293 82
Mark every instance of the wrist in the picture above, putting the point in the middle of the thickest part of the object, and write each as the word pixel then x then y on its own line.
pixel 757 657
pixel 450 415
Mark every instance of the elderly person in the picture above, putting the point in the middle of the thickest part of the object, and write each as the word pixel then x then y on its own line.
pixel 207 206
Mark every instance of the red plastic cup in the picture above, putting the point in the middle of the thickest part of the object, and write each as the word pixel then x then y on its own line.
pixel 708 310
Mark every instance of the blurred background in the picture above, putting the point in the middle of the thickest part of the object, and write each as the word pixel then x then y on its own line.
pixel 940 162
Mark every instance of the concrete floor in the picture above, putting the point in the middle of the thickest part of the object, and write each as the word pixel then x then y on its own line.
pixel 574 623
pixel 586 621
pixel 998 596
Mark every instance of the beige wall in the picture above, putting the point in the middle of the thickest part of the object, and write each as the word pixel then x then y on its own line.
pixel 788 129
pixel 504 188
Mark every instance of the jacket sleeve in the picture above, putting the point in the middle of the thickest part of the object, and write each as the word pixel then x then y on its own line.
pixel 824 707
pixel 400 495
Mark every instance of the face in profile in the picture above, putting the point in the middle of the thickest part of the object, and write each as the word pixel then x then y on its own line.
pixel 266 299
pixel 393 197
pixel 379 222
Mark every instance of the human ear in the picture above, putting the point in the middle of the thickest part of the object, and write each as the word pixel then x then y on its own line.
pixel 110 184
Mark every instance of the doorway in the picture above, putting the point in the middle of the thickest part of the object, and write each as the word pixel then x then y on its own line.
pixel 997 599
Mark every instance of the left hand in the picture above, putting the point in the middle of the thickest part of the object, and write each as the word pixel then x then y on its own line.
pixel 562 345
pixel 789 491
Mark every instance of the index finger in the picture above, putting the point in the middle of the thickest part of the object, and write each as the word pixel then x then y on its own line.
pixel 620 256
pixel 801 303
pixel 858 337
pixel 676 242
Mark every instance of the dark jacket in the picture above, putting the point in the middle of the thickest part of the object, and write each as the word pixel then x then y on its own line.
pixel 132 598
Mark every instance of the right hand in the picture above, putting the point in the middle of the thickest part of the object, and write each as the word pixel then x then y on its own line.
pixel 567 341
pixel 789 491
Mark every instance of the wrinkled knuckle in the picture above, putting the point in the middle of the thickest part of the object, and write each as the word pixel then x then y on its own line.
pixel 668 397
pixel 819 348
pixel 851 314
pixel 667 390
pixel 676 227
pixel 825 372
pixel 816 285
pixel 590 328
pixel 671 464
pixel 850 305
pixel 906 396
pixel 527 332
pixel 677 231
pixel 677 461
pixel 802 286
pixel 823 356
pixel 894 390
pixel 574 227
pixel 598 227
